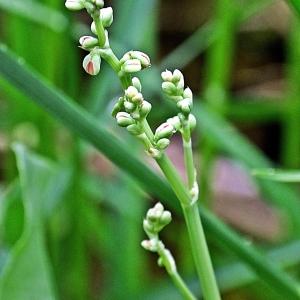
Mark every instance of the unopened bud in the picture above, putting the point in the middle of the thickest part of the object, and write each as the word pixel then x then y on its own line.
pixel 188 93
pixel 88 42
pixel 167 76
pixel 124 119
pixel 164 131
pixel 138 98
pixel 131 92
pixel 149 245
pixel 163 144
pixel 92 63
pixel 158 208
pixel 134 129
pixel 169 88
pixel 177 76
pixel 192 122
pixel 175 122
pixel 93 28
pixel 142 57
pixel 99 3
pixel 74 4
pixel 132 66
pixel 129 106
pixel 166 218
pixel 145 109
pixel 137 84
pixel 107 16
pixel 185 106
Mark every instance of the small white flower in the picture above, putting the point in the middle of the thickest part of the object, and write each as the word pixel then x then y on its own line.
pixel 92 63
pixel 132 66
pixel 74 4
pixel 106 16
pixel 88 42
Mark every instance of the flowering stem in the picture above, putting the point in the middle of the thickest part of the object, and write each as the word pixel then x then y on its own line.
pixel 100 29
pixel 197 238
pixel 176 278
pixel 188 154
pixel 148 130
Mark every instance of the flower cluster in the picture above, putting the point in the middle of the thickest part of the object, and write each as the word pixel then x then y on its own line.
pixel 173 87
pixel 134 61
pixel 156 219
pixel 131 109
pixel 90 5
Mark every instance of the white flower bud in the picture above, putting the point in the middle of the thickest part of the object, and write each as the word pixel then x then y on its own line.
pixel 93 28
pixel 145 109
pixel 92 63
pixel 177 76
pixel 142 57
pixel 137 84
pixel 167 76
pixel 131 92
pixel 138 98
pixel 134 129
pixel 175 122
pixel 88 42
pixel 132 66
pixel 166 218
pixel 169 87
pixel 188 93
pixel 124 119
pixel 158 208
pixel 180 84
pixel 149 245
pixel 74 4
pixel 129 106
pixel 192 122
pixel 99 3
pixel 165 130
pixel 163 144
pixel 185 106
pixel 107 16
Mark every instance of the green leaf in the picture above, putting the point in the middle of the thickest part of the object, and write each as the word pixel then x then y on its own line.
pixel 72 116
pixel 277 175
pixel 42 15
pixel 295 4
pixel 27 274
pixel 11 215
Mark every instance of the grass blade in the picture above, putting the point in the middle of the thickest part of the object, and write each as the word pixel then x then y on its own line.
pixel 278 175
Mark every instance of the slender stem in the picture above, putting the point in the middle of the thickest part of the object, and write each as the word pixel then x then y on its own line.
pixel 182 287
pixel 197 238
pixel 148 130
pixel 201 253
pixel 188 154
pixel 169 263
pixel 109 55
pixel 100 29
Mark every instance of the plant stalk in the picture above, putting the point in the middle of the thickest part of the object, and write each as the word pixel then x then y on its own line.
pixel 197 238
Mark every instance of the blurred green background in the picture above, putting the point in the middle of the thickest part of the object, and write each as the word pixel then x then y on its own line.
pixel 71 222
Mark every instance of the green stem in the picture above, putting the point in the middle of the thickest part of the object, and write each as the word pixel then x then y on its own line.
pixel 169 263
pixel 182 287
pixel 197 238
pixel 100 29
pixel 188 154
pixel 148 130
